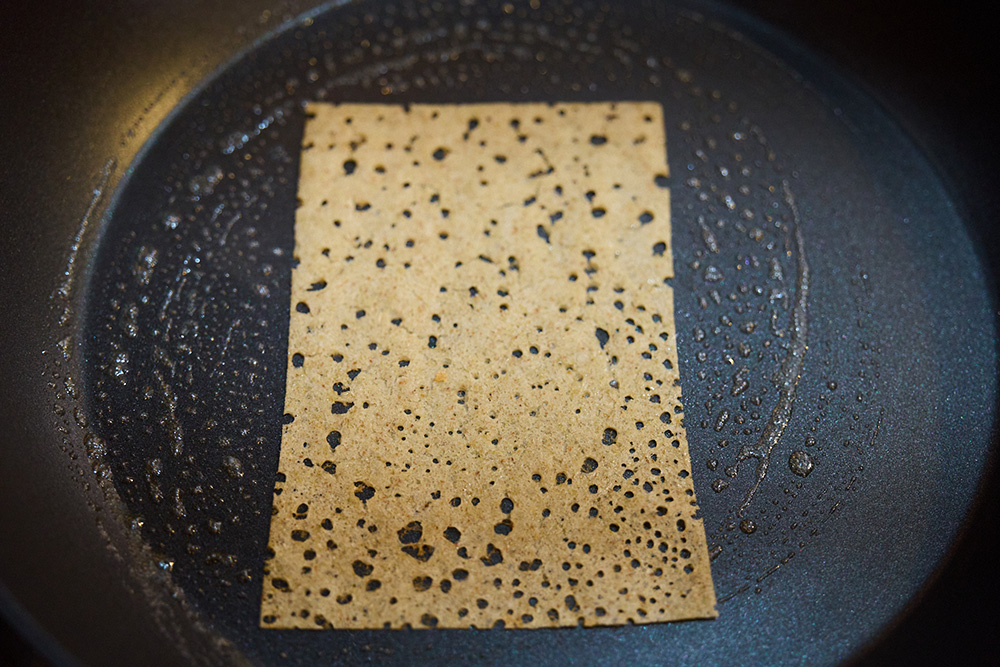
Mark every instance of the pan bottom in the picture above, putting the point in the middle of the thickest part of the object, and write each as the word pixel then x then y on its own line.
pixel 833 320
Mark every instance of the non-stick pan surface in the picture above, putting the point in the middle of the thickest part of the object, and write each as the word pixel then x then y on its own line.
pixel 805 223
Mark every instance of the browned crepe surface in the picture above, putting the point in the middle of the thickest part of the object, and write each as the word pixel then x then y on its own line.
pixel 483 403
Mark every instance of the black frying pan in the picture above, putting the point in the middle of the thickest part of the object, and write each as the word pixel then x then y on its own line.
pixel 901 319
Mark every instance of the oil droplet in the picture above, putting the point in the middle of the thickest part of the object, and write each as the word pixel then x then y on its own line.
pixel 233 466
pixel 800 463
pixel 95 446
pixel 146 261
pixel 120 367
pixel 713 274
pixel 748 526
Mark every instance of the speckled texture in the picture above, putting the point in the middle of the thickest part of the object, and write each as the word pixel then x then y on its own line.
pixel 483 418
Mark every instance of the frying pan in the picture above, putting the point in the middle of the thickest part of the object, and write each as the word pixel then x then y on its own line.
pixel 133 157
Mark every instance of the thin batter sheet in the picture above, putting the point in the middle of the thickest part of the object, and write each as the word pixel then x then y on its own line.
pixel 483 408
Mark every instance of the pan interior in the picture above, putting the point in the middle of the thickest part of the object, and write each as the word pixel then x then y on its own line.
pixel 833 320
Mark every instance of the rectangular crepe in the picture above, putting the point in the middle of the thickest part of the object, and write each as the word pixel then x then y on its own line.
pixel 483 421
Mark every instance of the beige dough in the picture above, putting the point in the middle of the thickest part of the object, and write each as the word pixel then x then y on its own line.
pixel 483 405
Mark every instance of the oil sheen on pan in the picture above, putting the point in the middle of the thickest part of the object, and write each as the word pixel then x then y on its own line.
pixel 483 421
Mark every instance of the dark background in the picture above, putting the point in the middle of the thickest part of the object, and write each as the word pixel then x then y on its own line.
pixel 931 64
